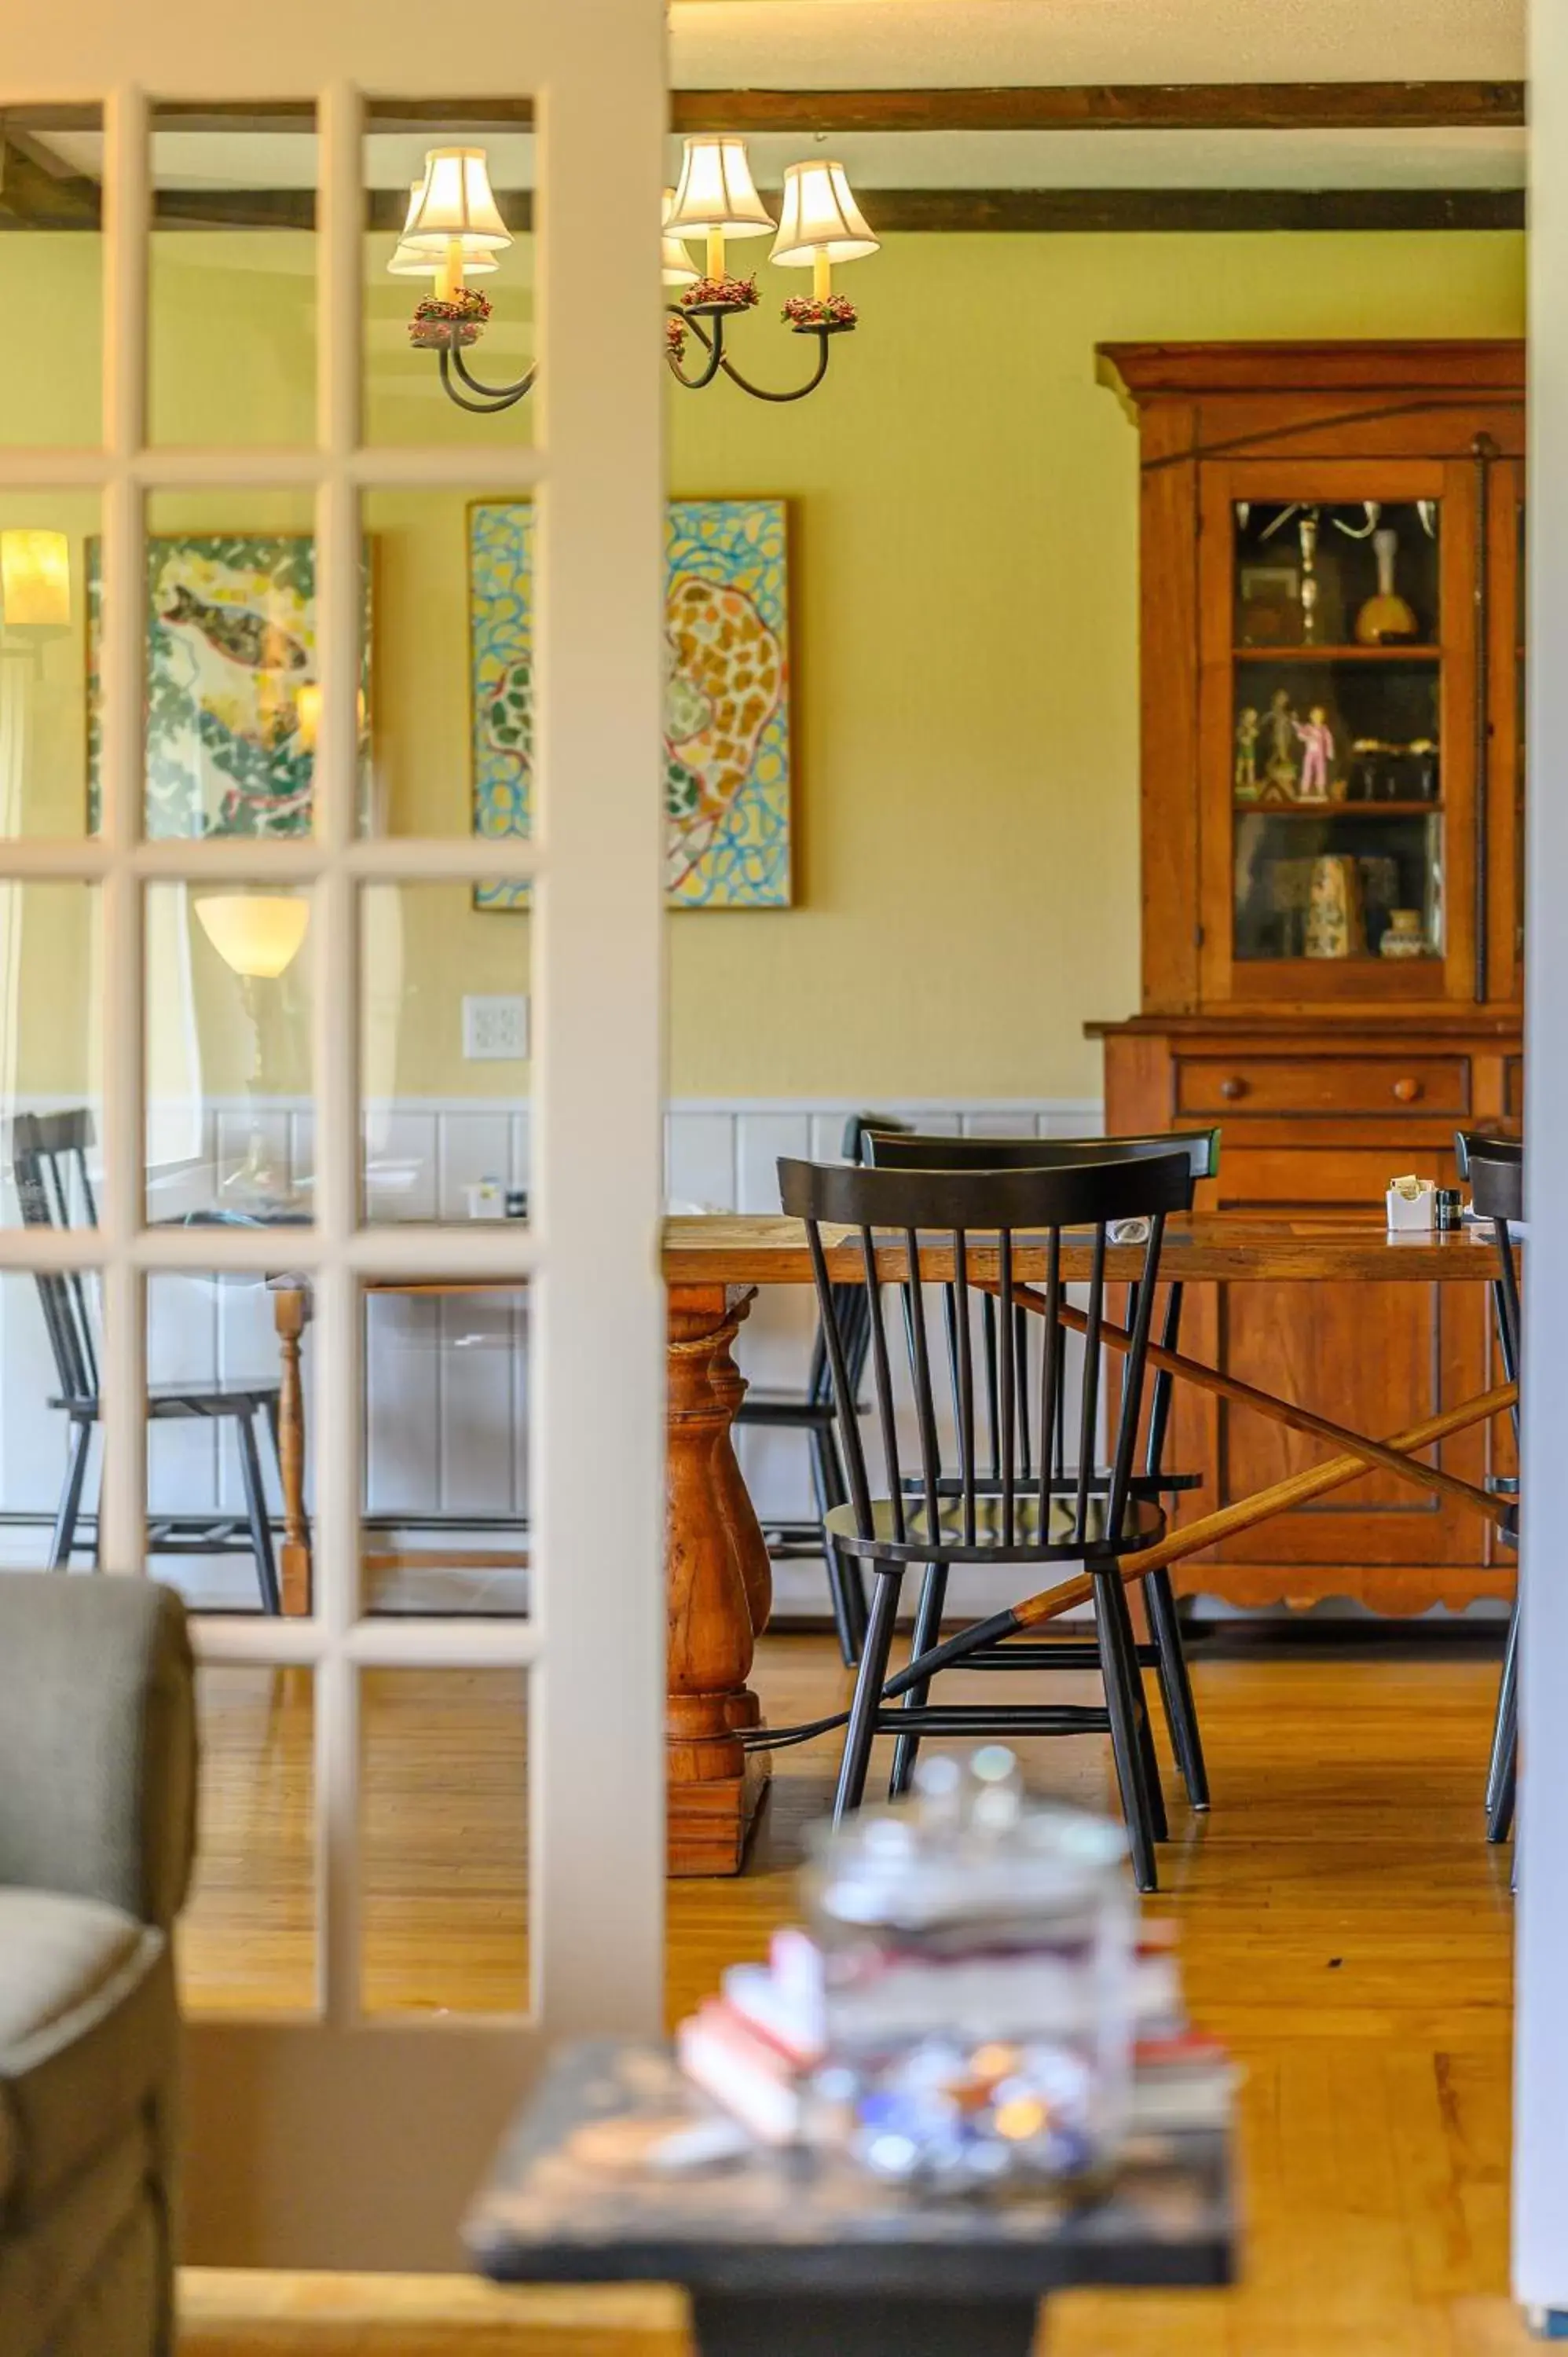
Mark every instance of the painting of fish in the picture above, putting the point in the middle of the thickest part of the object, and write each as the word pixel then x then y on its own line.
pixel 231 742
pixel 726 756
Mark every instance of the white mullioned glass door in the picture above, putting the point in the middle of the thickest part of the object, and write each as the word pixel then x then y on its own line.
pixel 341 2138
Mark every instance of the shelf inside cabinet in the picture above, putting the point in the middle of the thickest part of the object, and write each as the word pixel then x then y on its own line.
pixel 1339 810
pixel 1295 652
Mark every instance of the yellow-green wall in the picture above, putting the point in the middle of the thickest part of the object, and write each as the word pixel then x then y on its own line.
pixel 963 517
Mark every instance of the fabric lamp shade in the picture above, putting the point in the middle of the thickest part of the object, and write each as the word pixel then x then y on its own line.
pixel 678 269
pixel 415 262
pixel 715 192
pixel 35 580
pixel 820 216
pixel 256 934
pixel 454 204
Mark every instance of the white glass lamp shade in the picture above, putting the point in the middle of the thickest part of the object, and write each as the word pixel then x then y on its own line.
pixel 715 192
pixel 678 270
pixel 820 217
pixel 257 934
pixel 455 204
pixel 414 262
pixel 35 580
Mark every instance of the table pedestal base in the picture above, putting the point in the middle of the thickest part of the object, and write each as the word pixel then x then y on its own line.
pixel 727 2324
pixel 720 1591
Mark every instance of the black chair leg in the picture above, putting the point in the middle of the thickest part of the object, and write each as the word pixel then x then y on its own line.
pixel 1176 1685
pixel 846 1588
pixel 1119 1669
pixel 256 1515
pixel 1506 1705
pixel 1503 1776
pixel 928 1630
pixel 68 1514
pixel 870 1679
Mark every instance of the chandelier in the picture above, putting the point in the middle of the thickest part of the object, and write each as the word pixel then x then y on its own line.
pixel 453 232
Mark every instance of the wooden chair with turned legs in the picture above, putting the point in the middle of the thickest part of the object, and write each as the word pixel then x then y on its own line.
pixel 956 1518
pixel 1165 1654
pixel 1495 1169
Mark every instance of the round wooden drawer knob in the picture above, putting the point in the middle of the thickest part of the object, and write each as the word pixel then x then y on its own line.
pixel 1407 1091
pixel 1231 1089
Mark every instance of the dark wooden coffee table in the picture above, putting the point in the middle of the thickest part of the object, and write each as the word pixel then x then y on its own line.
pixel 786 2257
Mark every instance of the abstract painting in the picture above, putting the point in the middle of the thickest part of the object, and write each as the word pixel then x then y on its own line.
pixel 726 755
pixel 231 744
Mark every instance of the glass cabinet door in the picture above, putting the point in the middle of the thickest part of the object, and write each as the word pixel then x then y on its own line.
pixel 1339 760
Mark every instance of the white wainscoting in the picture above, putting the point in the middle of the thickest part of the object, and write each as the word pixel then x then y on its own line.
pixel 447 1379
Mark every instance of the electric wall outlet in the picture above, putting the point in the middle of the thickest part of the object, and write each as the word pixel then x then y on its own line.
pixel 495 1028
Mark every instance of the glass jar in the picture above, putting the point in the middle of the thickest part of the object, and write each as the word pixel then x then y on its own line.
pixel 978 1955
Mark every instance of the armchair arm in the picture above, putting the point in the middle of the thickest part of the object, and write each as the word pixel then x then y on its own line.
pixel 97 1741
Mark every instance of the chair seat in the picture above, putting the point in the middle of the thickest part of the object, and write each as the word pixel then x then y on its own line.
pixel 85 2003
pixel 1049 1539
pixel 786 1408
pixel 194 1398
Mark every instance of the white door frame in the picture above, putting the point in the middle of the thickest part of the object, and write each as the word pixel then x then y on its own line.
pixel 342 2142
pixel 1541 2063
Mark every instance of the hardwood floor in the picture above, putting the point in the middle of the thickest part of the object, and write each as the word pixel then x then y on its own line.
pixel 1344 1926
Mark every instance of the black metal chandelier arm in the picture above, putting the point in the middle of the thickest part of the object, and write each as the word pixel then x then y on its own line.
pixel 495 397
pixel 763 393
pixel 713 345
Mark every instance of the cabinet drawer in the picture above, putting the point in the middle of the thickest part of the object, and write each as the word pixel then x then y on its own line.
pixel 1324 1084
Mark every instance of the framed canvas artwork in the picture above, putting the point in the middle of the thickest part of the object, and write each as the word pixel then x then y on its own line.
pixel 727 748
pixel 231 682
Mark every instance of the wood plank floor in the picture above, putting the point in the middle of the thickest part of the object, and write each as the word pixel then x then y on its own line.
pixel 1343 1924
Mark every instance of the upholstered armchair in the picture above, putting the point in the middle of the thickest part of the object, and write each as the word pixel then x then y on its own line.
pixel 97 1821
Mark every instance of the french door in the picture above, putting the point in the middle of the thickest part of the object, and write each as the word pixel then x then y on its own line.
pixel 342 2136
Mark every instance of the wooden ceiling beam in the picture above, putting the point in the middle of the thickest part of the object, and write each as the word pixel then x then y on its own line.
pixel 1111 106
pixel 1061 211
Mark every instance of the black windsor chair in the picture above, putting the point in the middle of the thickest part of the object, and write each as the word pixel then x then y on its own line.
pixel 959 1516
pixel 1495 1169
pixel 54 1189
pixel 811 1411
pixel 1166 1655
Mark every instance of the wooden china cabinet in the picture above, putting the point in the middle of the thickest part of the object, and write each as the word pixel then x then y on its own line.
pixel 1332 584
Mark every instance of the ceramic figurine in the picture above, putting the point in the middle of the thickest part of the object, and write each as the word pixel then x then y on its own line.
pixel 1247 755
pixel 1319 738
pixel 1386 616
pixel 1335 928
pixel 1308 529
pixel 1403 937
pixel 1280 770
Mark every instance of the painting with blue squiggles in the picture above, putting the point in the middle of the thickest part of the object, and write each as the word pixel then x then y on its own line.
pixel 726 751
pixel 231 643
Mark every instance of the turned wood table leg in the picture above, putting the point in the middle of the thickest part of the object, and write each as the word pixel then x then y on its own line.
pixel 720 1591
pixel 291 1310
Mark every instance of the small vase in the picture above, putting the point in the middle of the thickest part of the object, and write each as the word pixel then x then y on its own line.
pixel 1386 616
pixel 1335 928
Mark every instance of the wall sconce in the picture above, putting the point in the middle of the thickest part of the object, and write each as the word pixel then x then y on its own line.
pixel 34 588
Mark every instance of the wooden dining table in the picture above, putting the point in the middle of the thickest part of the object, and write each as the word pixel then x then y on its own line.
pixel 719 1577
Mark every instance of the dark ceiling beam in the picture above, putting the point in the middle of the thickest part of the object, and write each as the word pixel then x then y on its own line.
pixel 1092 106
pixel 1044 210
pixel 949 211
pixel 1111 106
pixel 37 189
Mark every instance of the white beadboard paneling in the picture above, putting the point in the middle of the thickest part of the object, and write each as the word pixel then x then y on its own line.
pixel 403 1403
pixel 481 1429
pixel 182 1347
pixel 997 1122
pixel 763 1139
pixel 700 1159
pixel 473 1143
pixel 407 1154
